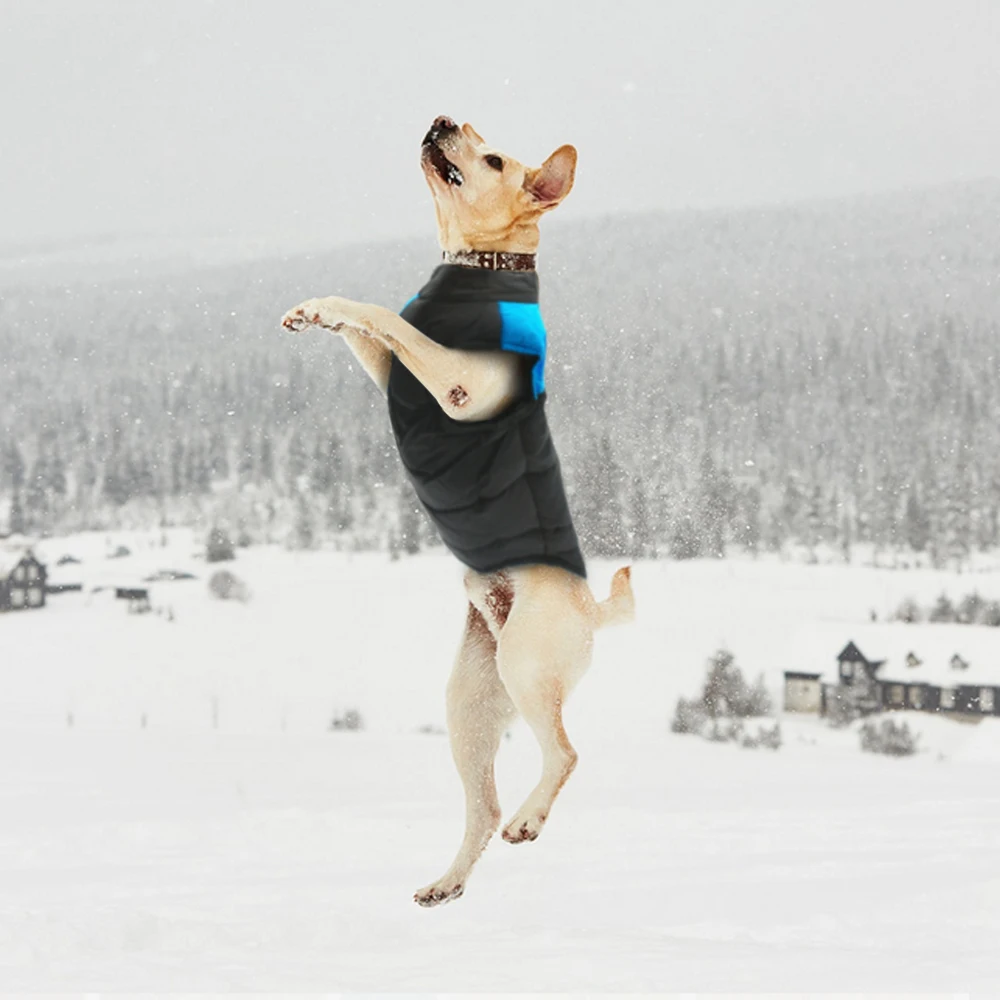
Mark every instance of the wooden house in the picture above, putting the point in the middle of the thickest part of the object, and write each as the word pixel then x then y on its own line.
pixel 950 669
pixel 22 580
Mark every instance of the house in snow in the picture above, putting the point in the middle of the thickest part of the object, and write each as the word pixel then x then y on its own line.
pixel 22 579
pixel 952 669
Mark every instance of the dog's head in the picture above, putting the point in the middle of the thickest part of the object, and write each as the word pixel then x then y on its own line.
pixel 486 200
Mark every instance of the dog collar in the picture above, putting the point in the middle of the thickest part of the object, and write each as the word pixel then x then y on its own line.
pixel 491 260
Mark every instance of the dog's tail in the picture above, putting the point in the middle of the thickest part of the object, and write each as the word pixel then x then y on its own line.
pixel 619 608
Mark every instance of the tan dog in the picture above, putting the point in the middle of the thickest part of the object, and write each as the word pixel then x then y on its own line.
pixel 529 631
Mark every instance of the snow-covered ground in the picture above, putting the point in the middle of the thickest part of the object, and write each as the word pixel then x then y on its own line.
pixel 234 842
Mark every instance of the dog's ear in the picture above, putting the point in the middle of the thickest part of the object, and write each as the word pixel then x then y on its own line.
pixel 553 180
pixel 473 135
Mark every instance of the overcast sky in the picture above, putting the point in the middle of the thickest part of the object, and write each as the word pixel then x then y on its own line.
pixel 283 119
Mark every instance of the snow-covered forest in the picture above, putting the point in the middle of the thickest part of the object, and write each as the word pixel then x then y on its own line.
pixel 825 373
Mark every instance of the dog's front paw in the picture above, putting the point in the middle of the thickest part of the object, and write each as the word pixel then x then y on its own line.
pixel 524 828
pixel 312 312
pixel 441 892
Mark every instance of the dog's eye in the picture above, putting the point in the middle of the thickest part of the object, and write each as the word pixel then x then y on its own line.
pixel 495 162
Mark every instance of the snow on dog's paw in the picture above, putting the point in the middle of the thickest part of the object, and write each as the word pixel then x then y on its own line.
pixel 440 892
pixel 310 313
pixel 520 829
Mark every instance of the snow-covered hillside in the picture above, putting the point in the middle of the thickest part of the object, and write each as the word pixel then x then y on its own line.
pixel 236 843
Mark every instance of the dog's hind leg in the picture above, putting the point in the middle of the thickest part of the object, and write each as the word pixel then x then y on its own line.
pixel 479 709
pixel 539 662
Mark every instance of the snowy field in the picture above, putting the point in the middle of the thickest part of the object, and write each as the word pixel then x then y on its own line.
pixel 176 815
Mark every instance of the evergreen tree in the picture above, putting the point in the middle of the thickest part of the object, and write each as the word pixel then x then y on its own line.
pixel 641 541
pixel 218 455
pixel 178 465
pixel 600 509
pixel 746 524
pixel 297 462
pixel 265 462
pixel 715 507
pixel 792 510
pixel 304 532
pixel 17 524
pixel 916 523
pixel 815 523
pixel 219 546
pixel 12 468
pixel 245 464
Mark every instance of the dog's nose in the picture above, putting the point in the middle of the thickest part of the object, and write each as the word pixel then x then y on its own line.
pixel 444 124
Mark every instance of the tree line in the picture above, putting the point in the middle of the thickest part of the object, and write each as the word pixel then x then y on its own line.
pixel 819 376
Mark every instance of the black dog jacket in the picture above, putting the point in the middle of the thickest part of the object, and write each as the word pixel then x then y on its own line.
pixel 493 487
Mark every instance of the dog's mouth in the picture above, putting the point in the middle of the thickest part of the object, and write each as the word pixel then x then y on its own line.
pixel 432 154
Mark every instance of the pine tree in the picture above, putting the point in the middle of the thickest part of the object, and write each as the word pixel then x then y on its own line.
pixel 958 523
pixel 265 464
pixel 916 523
pixel 304 532
pixel 846 536
pixel 601 512
pixel 815 521
pixel 641 541
pixel 12 468
pixel 245 464
pixel 17 523
pixel 792 510
pixel 746 524
pixel 297 462
pixel 218 455
pixel 219 546
pixel 178 466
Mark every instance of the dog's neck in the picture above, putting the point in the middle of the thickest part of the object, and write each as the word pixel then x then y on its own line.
pixel 491 260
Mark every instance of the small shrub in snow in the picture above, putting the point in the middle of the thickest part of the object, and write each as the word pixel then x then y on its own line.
pixel 727 694
pixel 227 586
pixel 758 701
pixel 908 611
pixel 990 614
pixel 349 721
pixel 429 729
pixel 888 737
pixel 767 737
pixel 726 702
pixel 689 717
pixel 943 610
pixel 717 733
pixel 219 546
pixel 970 609
pixel 841 709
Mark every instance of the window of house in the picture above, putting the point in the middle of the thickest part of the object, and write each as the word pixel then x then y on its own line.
pixel 35 597
pixel 32 572
pixel 847 669
pixel 897 694
pixel 947 697
pixel 17 597
pixel 986 699
pixel 916 697
pixel 19 574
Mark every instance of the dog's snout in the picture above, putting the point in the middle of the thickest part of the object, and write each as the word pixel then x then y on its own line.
pixel 444 124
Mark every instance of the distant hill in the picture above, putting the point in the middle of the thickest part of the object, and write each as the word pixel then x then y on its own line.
pixel 825 372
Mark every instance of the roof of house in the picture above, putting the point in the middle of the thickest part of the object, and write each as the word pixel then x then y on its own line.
pixel 933 647
pixel 12 556
pixel 816 649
